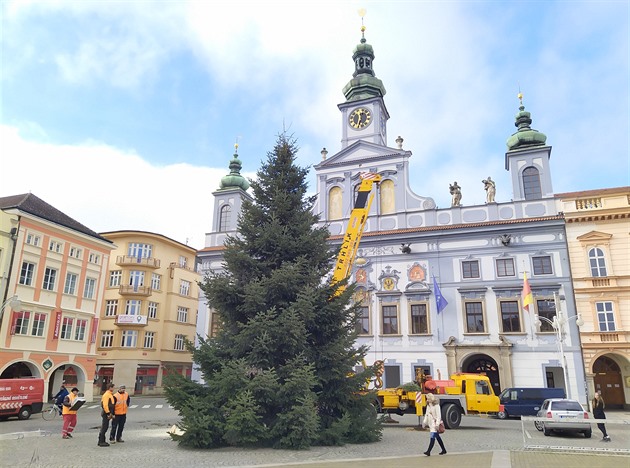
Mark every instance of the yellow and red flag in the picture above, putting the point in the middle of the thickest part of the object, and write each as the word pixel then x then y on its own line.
pixel 528 298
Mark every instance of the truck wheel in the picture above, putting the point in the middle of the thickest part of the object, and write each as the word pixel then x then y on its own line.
pixel 502 415
pixel 451 416
pixel 25 412
pixel 376 403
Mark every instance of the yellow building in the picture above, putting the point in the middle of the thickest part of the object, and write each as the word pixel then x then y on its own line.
pixel 149 311
pixel 598 235
pixel 57 268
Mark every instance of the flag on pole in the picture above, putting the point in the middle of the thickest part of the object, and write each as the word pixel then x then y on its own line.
pixel 528 298
pixel 440 302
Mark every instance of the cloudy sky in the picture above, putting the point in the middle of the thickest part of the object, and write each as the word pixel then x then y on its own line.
pixel 123 114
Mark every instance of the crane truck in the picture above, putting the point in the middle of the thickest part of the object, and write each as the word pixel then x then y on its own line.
pixel 462 394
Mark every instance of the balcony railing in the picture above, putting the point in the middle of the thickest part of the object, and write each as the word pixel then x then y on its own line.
pixel 127 260
pixel 588 203
pixel 128 290
pixel 609 337
pixel 601 282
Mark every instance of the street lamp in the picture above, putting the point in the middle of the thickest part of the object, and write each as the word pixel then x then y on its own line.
pixel 14 302
pixel 558 324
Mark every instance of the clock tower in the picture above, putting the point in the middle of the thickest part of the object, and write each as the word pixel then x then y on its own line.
pixel 364 115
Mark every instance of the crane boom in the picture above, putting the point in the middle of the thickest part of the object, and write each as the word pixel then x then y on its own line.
pixel 354 231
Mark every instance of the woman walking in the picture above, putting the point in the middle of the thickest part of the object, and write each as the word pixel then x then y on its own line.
pixel 598 412
pixel 433 419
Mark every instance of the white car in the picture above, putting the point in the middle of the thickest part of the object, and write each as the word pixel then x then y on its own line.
pixel 564 415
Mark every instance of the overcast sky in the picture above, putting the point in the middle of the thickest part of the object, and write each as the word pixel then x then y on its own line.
pixel 123 115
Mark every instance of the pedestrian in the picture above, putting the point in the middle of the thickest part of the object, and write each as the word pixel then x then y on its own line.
pixel 69 415
pixel 60 396
pixel 598 413
pixel 433 419
pixel 107 414
pixel 121 403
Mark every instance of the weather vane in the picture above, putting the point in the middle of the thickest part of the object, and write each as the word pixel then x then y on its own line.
pixel 520 95
pixel 236 144
pixel 362 12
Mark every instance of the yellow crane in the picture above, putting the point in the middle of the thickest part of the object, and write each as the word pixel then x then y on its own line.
pixel 354 231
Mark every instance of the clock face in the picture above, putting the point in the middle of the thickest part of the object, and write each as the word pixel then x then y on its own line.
pixel 388 283
pixel 360 118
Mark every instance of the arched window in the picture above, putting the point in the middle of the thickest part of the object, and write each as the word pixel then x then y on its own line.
pixel 334 203
pixel 224 218
pixel 531 183
pixel 388 204
pixel 597 261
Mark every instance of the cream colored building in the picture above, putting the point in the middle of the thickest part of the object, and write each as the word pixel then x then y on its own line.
pixel 149 311
pixel 598 235
pixel 57 268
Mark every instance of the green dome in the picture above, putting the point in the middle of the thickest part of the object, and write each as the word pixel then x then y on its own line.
pixel 525 135
pixel 234 179
pixel 364 84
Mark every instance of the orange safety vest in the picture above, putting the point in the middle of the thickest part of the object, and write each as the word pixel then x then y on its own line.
pixel 120 400
pixel 107 401
pixel 65 409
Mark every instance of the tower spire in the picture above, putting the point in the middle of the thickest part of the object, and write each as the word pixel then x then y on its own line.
pixel 525 135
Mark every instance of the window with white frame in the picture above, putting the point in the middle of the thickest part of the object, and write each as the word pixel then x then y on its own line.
pixel 74 252
pixel 133 307
pixel 474 317
pixel 390 319
pixel 182 314
pixel 363 321
pixel 156 281
pixel 66 328
pixel 71 284
pixel 547 309
pixel 139 250
pixel 129 338
pixel 183 261
pixel 605 316
pixel 505 267
pixel 542 265
pixel 224 218
pixel 179 342
pixel 21 320
pixel 470 269
pixel 136 278
pixel 39 322
pixel 107 338
pixel 419 319
pixel 50 276
pixel 90 287
pixel 26 273
pixel 55 246
pixel 94 258
pixel 149 339
pixel 111 307
pixel 152 310
pixel 531 183
pixel 32 239
pixel 510 317
pixel 597 262
pixel 115 277
pixel 184 287
pixel 79 330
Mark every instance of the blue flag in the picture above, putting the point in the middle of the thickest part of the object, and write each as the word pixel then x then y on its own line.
pixel 440 302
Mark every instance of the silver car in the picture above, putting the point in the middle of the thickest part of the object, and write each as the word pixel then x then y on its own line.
pixel 563 415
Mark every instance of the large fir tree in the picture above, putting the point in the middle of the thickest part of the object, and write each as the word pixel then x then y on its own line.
pixel 279 372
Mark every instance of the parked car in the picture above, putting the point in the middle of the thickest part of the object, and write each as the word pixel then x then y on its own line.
pixel 523 401
pixel 564 415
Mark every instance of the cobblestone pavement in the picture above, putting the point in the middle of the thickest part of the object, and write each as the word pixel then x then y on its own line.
pixel 478 443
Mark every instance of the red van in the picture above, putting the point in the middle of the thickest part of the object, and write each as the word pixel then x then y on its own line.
pixel 21 397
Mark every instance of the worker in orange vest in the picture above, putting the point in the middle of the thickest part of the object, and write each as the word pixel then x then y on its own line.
pixel 69 416
pixel 107 414
pixel 121 403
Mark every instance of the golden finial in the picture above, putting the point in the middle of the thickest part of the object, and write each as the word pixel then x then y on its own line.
pixel 520 95
pixel 236 144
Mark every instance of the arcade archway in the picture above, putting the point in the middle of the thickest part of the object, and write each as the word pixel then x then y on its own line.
pixel 484 364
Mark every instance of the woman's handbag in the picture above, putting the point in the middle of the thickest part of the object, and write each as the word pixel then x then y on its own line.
pixel 441 428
